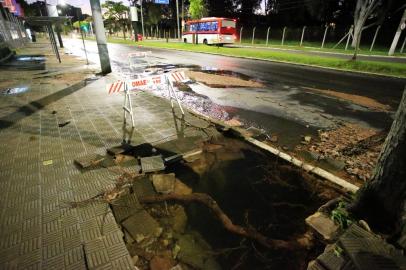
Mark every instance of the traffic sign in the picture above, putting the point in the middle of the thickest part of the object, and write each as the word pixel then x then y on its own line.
pixel 166 2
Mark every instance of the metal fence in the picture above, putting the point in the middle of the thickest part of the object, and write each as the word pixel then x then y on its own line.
pixel 12 31
pixel 332 36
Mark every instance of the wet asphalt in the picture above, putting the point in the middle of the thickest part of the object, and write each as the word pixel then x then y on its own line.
pixel 283 106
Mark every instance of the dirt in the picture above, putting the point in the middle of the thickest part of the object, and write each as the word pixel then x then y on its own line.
pixel 340 144
pixel 70 71
pixel 356 99
pixel 221 80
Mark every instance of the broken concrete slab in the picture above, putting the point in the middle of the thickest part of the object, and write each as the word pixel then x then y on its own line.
pixel 164 183
pixel 324 226
pixel 140 223
pixel 143 187
pixel 125 206
pixel 152 164
pixel 89 160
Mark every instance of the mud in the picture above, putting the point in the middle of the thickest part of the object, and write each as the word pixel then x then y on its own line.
pixel 356 99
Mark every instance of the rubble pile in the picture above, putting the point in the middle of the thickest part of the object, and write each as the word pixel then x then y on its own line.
pixel 357 147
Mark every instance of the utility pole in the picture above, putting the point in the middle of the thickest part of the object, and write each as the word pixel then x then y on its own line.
pixel 177 17
pixel 100 37
pixel 142 21
pixel 401 27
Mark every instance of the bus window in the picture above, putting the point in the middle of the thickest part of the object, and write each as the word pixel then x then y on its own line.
pixel 193 27
pixel 226 23
pixel 208 26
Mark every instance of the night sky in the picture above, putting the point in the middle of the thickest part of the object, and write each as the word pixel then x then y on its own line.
pixel 85 4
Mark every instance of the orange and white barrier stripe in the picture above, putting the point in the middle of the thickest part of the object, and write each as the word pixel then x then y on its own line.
pixel 178 76
pixel 115 87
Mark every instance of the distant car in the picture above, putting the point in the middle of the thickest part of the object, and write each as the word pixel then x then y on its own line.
pixel 140 37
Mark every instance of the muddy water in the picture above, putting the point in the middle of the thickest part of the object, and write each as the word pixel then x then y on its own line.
pixel 256 190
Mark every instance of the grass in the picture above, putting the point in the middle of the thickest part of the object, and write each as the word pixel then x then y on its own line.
pixel 383 68
pixel 316 46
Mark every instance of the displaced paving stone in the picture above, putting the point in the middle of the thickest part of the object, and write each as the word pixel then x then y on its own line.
pixel 195 251
pixel 164 183
pixel 161 263
pixel 179 220
pixel 323 225
pixel 141 223
pixel 89 160
pixel 152 164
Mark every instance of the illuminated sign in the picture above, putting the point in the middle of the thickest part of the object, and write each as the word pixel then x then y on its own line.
pixel 166 2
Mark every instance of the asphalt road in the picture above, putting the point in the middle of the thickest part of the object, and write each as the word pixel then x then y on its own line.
pixel 284 105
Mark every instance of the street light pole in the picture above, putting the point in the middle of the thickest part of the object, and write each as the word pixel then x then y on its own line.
pixel 100 37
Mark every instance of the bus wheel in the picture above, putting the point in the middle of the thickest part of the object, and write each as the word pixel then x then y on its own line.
pixel 205 41
pixel 184 40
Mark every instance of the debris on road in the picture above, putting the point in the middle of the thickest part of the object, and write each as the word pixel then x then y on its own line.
pixel 353 147
pixel 63 124
pixel 47 162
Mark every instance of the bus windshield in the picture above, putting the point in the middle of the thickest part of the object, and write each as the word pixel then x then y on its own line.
pixel 226 23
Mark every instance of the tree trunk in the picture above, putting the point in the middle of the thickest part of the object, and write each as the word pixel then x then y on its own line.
pixel 381 200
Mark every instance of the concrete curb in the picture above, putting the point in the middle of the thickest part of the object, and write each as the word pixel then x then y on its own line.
pixel 239 132
pixel 283 62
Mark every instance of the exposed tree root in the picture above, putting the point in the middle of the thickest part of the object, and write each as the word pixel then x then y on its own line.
pixel 208 201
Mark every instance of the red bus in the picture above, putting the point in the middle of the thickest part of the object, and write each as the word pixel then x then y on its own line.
pixel 211 30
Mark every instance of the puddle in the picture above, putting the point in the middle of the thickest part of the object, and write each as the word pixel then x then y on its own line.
pixel 25 62
pixel 252 188
pixel 30 58
pixel 15 90
pixel 216 71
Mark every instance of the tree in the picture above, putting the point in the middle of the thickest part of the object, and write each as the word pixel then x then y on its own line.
pixel 197 9
pixel 381 201
pixel 367 10
pixel 154 13
pixel 220 8
pixel 116 13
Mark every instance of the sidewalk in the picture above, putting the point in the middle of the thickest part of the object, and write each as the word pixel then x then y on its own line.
pixel 62 116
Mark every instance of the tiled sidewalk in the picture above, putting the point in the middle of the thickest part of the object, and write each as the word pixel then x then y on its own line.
pixel 38 229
